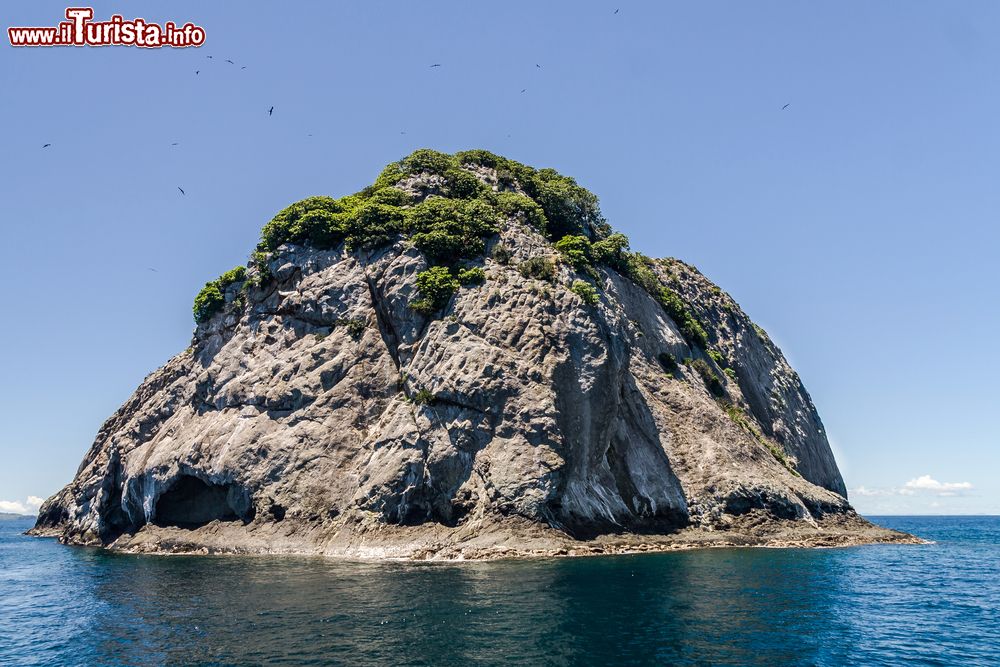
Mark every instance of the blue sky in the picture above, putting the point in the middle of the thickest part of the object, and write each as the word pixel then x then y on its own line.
pixel 858 226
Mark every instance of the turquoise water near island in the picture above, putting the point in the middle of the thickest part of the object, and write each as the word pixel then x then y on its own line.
pixel 934 604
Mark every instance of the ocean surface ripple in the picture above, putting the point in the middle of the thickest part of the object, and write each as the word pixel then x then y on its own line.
pixel 934 604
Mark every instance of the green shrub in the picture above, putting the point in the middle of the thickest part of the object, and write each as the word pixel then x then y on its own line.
pixel 459 183
pixel 260 261
pixel 390 176
pixel 731 374
pixel 368 219
pixel 372 225
pixel 541 268
pixel 510 174
pixel 446 229
pixel 690 328
pixel 514 205
pixel 355 326
pixel 210 300
pixel 435 285
pixel 612 251
pixel 718 358
pixel 423 397
pixel 569 208
pixel 576 250
pixel 709 377
pixel 427 160
pixel 313 219
pixel 463 185
pixel 389 196
pixel 502 254
pixel 585 291
pixel 668 362
pixel 481 158
pixel 235 275
pixel 471 276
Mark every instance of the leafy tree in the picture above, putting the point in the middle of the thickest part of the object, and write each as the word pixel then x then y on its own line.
pixel 576 249
pixel 612 251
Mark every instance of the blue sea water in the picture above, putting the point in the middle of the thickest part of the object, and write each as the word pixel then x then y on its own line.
pixel 934 604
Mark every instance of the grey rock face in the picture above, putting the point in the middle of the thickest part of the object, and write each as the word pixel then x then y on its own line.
pixel 318 412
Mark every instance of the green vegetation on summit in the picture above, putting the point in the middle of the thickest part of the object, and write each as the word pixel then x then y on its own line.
pixel 439 203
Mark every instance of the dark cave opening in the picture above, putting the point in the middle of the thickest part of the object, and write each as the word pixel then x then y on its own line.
pixel 190 503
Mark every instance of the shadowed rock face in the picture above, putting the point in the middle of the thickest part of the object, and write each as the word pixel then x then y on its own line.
pixel 319 401
pixel 190 503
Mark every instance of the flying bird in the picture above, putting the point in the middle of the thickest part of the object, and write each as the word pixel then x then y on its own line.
pixel 538 66
pixel 270 111
pixel 230 61
pixel 46 145
pixel 174 144
pixel 153 270
pixel 182 190
pixel 436 65
pixel 197 71
pixel 244 67
pixel 209 57
pixel 524 90
pixel 785 107
pixel 617 10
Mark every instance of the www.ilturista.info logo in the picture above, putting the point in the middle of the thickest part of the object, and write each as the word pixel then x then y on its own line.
pixel 79 30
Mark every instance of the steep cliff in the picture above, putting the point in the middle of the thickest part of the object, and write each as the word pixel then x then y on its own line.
pixel 462 360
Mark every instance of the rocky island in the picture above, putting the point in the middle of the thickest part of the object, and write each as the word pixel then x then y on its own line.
pixel 462 360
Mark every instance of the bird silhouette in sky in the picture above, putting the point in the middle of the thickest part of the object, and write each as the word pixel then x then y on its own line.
pixel 46 145
pixel 270 111
pixel 209 57
pixel 197 71
pixel 182 190
pixel 617 10
pixel 244 67
pixel 153 270
pixel 524 90
pixel 175 143
pixel 436 65
pixel 785 107
pixel 538 66
pixel 230 61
